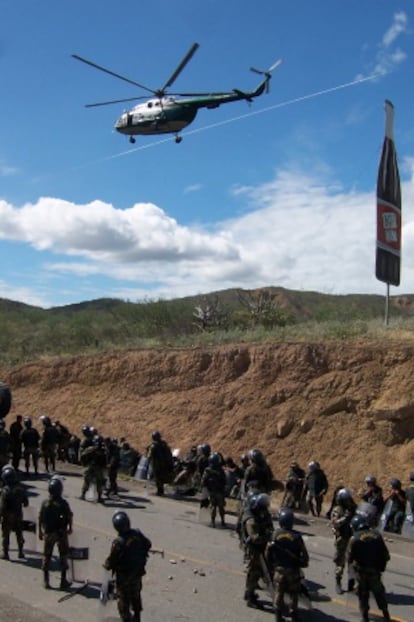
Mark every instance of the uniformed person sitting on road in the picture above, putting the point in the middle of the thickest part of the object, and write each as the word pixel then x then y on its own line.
pixel 398 500
pixel 127 560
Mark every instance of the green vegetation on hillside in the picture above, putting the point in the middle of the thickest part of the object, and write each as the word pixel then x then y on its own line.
pixel 230 316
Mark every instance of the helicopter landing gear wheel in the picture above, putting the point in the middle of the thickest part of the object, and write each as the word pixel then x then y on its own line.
pixel 132 140
pixel 178 139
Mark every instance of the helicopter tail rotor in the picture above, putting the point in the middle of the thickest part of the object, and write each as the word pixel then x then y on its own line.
pixel 268 72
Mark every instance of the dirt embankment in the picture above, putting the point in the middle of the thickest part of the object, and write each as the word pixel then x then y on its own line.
pixel 348 405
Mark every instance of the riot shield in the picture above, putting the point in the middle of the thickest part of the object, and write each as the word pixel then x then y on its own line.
pixel 30 529
pixel 107 610
pixel 368 511
pixel 78 559
pixel 142 469
pixel 204 515
pixel 408 525
pixel 385 515
pixel 92 492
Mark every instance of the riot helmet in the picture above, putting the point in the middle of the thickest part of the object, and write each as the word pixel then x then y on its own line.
pixel 344 494
pixel 255 456
pixel 259 503
pixel 86 431
pixel 312 466
pixel 205 449
pixel 55 487
pixel 359 522
pixel 395 483
pixel 214 460
pixel 371 480
pixel 27 422
pixel 8 475
pixel 45 420
pixel 286 518
pixel 120 521
pixel 156 436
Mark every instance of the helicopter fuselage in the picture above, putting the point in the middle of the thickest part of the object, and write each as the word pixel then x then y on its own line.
pixel 156 116
pixel 165 115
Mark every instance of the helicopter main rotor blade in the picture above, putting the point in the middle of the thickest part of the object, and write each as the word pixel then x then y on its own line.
pixel 115 101
pixel 180 67
pixel 112 73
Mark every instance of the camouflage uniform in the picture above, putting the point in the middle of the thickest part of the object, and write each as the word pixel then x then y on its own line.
pixel 55 524
pixel 214 479
pixel 12 500
pixel 15 441
pixel 341 517
pixel 286 554
pixel 369 555
pixel 127 559
pixel 260 476
pixel 94 458
pixel 48 445
pixel 256 532
pixel 30 438
pixel 160 457
pixel 4 445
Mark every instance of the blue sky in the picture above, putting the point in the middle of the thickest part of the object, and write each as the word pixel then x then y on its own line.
pixel 280 192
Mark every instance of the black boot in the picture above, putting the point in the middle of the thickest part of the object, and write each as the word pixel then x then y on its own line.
pixel 6 554
pixel 64 583
pixel 278 616
pixel 386 614
pixel 46 583
pixel 338 586
pixel 251 599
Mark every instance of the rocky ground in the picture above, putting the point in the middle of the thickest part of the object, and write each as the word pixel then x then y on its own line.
pixel 349 405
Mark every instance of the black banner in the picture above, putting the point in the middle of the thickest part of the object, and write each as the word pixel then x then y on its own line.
pixel 388 256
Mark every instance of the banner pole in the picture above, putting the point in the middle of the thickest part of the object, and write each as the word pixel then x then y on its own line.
pixel 387 306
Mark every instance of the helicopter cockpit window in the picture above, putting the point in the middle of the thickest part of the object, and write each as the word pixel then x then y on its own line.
pixel 149 104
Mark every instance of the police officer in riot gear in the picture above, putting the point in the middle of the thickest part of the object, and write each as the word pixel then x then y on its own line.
pixel 286 554
pixel 341 516
pixel 55 525
pixel 256 530
pixel 369 555
pixel 127 559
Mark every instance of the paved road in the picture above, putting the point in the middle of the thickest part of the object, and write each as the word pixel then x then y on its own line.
pixel 200 576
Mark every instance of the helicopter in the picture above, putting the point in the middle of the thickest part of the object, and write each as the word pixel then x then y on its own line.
pixel 169 113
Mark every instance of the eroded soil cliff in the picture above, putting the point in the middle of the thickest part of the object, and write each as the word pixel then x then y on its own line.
pixel 348 405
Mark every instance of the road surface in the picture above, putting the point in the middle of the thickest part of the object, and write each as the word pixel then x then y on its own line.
pixel 199 578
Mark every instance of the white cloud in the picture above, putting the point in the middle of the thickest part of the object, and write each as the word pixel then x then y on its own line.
pixel 20 293
pixel 100 232
pixel 398 26
pixel 6 171
pixel 300 231
pixel 387 56
pixel 192 188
